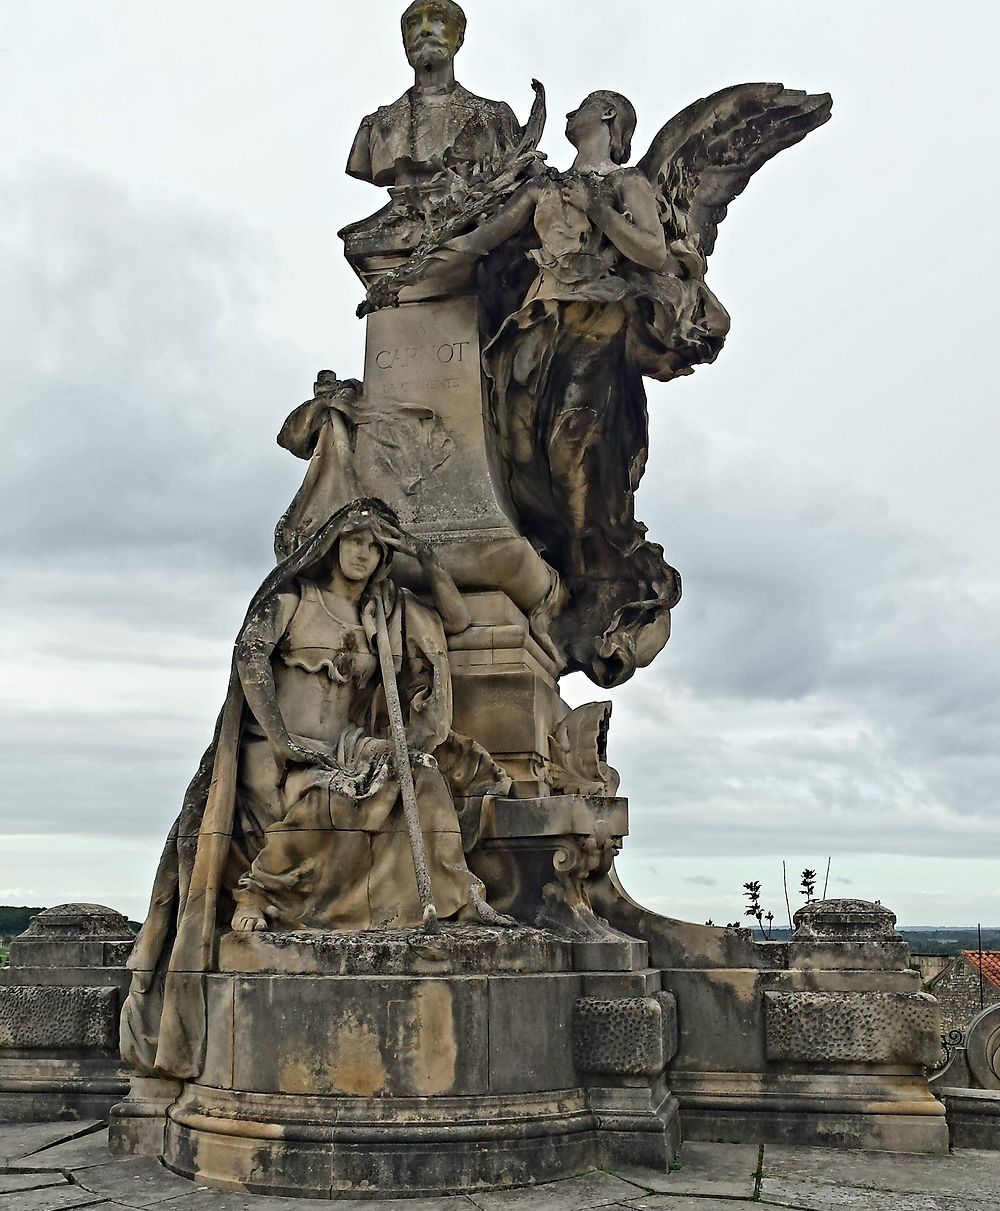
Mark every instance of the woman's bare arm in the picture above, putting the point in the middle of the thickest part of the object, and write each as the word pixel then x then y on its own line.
pixel 254 649
pixel 508 222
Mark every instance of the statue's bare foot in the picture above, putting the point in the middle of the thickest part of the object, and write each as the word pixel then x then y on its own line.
pixel 486 913
pixel 247 920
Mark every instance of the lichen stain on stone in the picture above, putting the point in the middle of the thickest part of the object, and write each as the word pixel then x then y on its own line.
pixel 435 1055
pixel 356 1067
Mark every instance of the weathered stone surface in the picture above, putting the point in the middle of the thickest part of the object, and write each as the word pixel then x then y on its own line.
pixel 51 1198
pixel 37 1017
pixel 82 1153
pixel 852 1028
pixel 12 1183
pixel 819 1196
pixel 958 1175
pixel 456 950
pixel 531 1057
pixel 22 1139
pixel 844 921
pixel 138 1182
pixel 589 1190
pixel 631 1037
pixel 721 1170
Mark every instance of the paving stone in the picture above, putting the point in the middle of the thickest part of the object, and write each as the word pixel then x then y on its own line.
pixel 76 1154
pixel 574 1194
pixel 135 1182
pixel 962 1174
pixel 51 1198
pixel 22 1139
pixel 11 1182
pixel 714 1170
pixel 214 1200
pixel 686 1202
pixel 821 1196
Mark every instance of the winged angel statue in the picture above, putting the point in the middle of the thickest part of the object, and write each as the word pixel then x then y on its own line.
pixel 595 278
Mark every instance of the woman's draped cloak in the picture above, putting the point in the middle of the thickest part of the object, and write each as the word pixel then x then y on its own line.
pixel 164 1018
pixel 569 409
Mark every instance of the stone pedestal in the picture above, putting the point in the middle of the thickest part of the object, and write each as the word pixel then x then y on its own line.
pixel 393 1063
pixel 823 1040
pixel 60 999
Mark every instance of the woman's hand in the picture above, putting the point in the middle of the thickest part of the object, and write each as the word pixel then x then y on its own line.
pixel 287 752
pixel 407 544
pixel 577 193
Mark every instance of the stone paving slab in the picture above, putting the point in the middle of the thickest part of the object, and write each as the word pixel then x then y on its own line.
pixel 14 1181
pixel 716 1170
pixel 573 1194
pixel 960 1174
pixel 52 1198
pixel 203 1199
pixel 22 1139
pixel 136 1182
pixel 820 1196
pixel 685 1202
pixel 77 1154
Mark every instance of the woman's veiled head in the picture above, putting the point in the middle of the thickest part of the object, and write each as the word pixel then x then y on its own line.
pixel 354 541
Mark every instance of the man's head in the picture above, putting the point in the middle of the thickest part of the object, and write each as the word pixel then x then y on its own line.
pixel 433 32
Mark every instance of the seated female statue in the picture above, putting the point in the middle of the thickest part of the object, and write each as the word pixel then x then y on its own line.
pixel 294 819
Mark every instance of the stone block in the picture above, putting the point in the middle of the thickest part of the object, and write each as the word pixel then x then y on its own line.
pixel 342 1036
pixel 531 1033
pixel 58 1018
pixel 635 1036
pixel 852 1028
pixel 138 1123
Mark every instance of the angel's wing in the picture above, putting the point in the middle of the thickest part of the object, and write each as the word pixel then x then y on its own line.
pixel 704 157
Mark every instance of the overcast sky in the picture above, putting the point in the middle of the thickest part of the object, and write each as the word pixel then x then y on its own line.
pixel 171 182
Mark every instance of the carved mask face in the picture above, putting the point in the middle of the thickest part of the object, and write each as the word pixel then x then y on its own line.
pixel 359 555
pixel 432 35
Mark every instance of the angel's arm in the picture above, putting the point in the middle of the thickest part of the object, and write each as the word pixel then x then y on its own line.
pixel 515 215
pixel 635 230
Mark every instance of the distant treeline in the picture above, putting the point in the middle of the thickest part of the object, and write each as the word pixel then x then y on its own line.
pixel 949 941
pixel 14 921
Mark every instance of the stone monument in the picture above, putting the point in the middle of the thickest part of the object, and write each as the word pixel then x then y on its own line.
pixel 387 952
pixel 60 1001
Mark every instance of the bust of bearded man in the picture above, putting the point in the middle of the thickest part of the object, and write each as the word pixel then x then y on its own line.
pixel 437 124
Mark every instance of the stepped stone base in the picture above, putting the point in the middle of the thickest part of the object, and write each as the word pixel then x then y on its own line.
pixel 391 1063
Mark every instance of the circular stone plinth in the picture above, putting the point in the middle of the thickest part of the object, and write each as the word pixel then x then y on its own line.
pixel 386 1063
pixel 455 950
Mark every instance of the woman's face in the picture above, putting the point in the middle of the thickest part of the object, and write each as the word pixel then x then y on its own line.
pixel 359 555
pixel 588 121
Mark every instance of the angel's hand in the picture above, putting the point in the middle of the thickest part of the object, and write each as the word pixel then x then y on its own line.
pixel 577 193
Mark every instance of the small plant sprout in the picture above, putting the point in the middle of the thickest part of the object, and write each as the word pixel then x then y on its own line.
pixel 808 885
pixel 752 893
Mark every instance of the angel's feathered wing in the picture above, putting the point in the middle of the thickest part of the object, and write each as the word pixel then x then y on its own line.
pixel 706 155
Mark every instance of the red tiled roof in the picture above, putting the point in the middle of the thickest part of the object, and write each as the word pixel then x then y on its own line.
pixel 991 963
